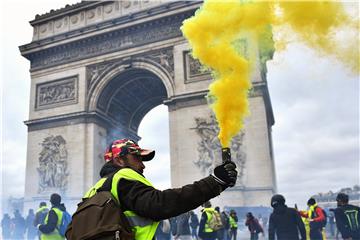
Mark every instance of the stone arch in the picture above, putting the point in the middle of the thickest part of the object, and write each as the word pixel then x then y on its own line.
pixel 118 69
pixel 126 93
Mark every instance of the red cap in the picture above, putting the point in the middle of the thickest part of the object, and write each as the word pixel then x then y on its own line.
pixel 125 146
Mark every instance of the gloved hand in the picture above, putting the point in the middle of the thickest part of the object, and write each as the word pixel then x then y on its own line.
pixel 226 174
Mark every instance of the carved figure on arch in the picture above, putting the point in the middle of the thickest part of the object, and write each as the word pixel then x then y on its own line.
pixel 209 148
pixel 53 172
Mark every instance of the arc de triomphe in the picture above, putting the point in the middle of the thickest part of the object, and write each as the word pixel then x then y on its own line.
pixel 98 67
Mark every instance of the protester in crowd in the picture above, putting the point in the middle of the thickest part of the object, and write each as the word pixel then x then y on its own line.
pixel 220 232
pixel 233 219
pixel 205 232
pixel 163 232
pixel 265 223
pixel 40 215
pixel 316 218
pixel 226 222
pixel 29 224
pixel 49 230
pixel 194 224
pixel 347 218
pixel 254 226
pixel 124 169
pixel 173 226
pixel 6 226
pixel 331 223
pixel 19 225
pixel 183 227
pixel 285 222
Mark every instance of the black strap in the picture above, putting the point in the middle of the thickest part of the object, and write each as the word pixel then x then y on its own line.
pixel 107 184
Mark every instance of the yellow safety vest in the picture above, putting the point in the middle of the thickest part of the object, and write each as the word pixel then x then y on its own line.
pixel 232 222
pixel 143 228
pixel 54 235
pixel 209 213
pixel 43 208
pixel 311 214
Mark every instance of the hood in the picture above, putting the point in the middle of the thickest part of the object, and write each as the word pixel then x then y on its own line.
pixel 108 168
pixel 280 209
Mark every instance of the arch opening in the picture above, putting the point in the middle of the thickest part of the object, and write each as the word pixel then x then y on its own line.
pixel 127 98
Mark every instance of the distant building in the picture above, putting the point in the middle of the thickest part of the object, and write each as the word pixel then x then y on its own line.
pixel 328 200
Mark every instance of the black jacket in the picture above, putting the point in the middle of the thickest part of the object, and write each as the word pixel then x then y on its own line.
pixel 343 223
pixel 286 223
pixel 52 220
pixel 157 205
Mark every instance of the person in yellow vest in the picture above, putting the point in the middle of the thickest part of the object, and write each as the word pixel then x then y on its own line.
pixel 40 215
pixel 49 230
pixel 307 226
pixel 315 217
pixel 233 219
pixel 205 232
pixel 143 205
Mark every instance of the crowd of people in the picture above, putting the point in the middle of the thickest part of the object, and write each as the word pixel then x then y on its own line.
pixel 188 226
pixel 18 227
pixel 123 204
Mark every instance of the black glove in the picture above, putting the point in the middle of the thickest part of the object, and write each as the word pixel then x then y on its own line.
pixel 226 174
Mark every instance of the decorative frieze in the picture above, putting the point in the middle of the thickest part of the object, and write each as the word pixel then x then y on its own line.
pixel 149 32
pixel 53 165
pixel 57 93
pixel 209 148
pixel 193 69
pixel 164 57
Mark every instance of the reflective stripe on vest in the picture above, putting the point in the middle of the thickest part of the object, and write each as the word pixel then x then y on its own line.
pixel 54 235
pixel 143 228
pixel 209 213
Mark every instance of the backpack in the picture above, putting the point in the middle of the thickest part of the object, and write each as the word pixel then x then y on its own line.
pixel 352 216
pixel 99 217
pixel 319 225
pixel 324 222
pixel 65 221
pixel 215 221
pixel 225 220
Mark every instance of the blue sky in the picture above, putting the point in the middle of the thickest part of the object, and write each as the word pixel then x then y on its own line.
pixel 315 101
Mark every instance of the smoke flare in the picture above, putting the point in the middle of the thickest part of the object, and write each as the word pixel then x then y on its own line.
pixel 219 29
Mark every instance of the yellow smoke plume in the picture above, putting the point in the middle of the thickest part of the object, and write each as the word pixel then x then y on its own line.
pixel 217 33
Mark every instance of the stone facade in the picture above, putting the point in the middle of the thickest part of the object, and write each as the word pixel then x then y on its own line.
pixel 98 67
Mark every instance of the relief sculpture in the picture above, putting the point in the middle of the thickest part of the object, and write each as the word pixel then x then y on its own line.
pixel 53 172
pixel 53 93
pixel 209 148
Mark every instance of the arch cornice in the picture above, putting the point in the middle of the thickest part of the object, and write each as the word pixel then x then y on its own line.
pixel 97 85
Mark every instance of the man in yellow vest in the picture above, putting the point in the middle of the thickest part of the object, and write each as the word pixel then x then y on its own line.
pixel 233 219
pixel 315 217
pixel 143 205
pixel 205 232
pixel 49 230
pixel 40 215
